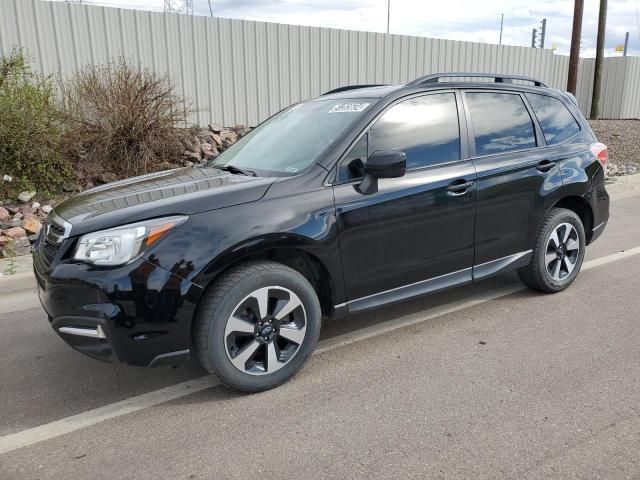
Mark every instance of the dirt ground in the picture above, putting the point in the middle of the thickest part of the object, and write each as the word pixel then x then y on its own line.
pixel 623 139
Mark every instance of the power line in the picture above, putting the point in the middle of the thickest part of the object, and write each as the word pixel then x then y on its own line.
pixel 179 6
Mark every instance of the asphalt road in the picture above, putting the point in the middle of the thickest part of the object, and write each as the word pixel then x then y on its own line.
pixel 470 383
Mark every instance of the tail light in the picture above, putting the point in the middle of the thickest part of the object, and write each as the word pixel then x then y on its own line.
pixel 601 152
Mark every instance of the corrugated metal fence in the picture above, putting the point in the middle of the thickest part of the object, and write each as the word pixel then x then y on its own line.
pixel 236 71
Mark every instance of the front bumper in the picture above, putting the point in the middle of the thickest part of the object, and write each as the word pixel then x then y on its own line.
pixel 139 314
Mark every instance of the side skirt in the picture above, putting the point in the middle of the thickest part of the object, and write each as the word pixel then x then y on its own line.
pixel 443 282
pixel 398 294
pixel 502 265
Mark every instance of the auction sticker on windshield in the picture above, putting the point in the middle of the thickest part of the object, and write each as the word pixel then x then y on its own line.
pixel 348 107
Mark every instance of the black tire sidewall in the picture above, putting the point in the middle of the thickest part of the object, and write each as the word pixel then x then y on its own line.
pixel 222 366
pixel 562 216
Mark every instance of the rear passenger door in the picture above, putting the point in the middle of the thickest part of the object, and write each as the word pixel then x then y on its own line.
pixel 515 175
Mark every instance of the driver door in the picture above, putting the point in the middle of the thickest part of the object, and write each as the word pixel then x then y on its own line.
pixel 415 234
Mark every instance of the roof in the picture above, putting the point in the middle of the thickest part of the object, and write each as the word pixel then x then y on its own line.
pixel 433 81
pixel 365 92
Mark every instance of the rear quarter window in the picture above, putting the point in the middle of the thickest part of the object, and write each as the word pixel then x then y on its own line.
pixel 556 121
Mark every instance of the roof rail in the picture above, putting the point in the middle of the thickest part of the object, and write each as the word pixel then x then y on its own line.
pixel 498 78
pixel 352 87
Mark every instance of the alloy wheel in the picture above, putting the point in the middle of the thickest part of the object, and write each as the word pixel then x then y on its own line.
pixel 265 330
pixel 562 252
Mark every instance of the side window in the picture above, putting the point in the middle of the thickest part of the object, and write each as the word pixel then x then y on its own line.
pixel 425 128
pixel 556 121
pixel 501 122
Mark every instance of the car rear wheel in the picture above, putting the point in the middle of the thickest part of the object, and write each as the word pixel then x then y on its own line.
pixel 557 254
pixel 257 326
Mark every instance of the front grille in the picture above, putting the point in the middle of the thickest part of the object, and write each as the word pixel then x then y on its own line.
pixel 49 246
pixel 50 251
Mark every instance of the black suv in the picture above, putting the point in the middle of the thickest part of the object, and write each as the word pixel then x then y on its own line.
pixel 362 197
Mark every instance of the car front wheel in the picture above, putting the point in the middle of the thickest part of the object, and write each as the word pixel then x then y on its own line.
pixel 257 326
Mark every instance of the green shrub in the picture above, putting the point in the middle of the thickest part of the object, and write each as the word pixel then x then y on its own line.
pixel 122 119
pixel 30 130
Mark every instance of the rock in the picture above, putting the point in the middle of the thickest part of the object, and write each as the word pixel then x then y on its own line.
pixel 15 232
pixel 228 137
pixel 241 129
pixel 205 147
pixel 168 166
pixel 24 197
pixel 4 240
pixel 106 177
pixel 7 178
pixel 210 154
pixel 18 216
pixel 33 238
pixel 69 187
pixel 217 139
pixel 31 224
pixel 27 211
pixel 215 128
pixel 187 163
pixel 46 209
pixel 612 170
pixel 16 247
pixel 35 205
pixel 4 215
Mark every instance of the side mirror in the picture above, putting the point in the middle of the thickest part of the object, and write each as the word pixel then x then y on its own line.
pixel 382 164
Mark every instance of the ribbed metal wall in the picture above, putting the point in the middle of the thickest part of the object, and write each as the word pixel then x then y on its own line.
pixel 236 71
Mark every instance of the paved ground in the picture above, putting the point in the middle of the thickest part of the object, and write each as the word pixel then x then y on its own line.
pixel 471 383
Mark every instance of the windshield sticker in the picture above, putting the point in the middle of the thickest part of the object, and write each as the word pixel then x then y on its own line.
pixel 348 107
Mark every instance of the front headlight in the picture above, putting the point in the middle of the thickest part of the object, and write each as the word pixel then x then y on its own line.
pixel 119 245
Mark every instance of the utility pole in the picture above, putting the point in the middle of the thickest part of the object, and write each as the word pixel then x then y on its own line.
pixel 574 56
pixel 501 25
pixel 388 14
pixel 534 34
pixel 543 32
pixel 626 44
pixel 597 74
pixel 210 9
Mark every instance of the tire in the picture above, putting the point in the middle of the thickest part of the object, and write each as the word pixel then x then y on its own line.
pixel 544 273
pixel 243 352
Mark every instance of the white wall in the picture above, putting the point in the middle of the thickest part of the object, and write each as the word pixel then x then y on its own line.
pixel 236 71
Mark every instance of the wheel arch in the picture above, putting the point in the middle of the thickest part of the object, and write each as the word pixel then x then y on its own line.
pixel 293 251
pixel 580 207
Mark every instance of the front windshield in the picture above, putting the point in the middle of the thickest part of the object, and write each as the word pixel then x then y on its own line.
pixel 293 139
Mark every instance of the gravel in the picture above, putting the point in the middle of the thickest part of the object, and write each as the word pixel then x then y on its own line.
pixel 623 139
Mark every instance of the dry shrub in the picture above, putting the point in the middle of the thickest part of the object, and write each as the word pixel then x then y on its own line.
pixel 122 119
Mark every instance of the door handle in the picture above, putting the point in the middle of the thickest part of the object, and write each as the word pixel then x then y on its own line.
pixel 459 187
pixel 545 165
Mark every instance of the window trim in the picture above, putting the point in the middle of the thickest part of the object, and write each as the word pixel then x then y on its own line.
pixel 537 131
pixel 540 123
pixel 332 180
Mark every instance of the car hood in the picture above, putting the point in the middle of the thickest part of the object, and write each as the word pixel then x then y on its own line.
pixel 180 191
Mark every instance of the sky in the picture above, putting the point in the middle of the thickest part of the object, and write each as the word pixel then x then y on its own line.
pixel 477 21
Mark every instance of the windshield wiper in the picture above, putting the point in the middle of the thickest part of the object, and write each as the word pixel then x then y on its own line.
pixel 235 170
